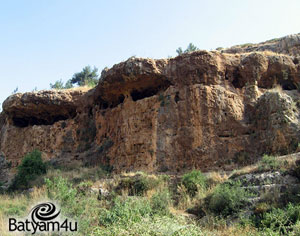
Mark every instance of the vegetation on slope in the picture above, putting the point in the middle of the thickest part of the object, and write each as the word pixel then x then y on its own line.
pixel 143 204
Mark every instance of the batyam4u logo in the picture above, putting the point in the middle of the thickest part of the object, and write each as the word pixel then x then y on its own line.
pixel 43 217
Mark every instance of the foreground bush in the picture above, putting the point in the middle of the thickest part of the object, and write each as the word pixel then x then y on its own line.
pixel 160 202
pixel 125 211
pixel 227 199
pixel 82 207
pixel 279 221
pixel 30 168
pixel 194 181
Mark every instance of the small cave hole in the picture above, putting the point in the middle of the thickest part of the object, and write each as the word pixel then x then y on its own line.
pixel 236 83
pixel 226 75
pixel 296 61
pixel 117 102
pixel 103 104
pixel 288 85
pixel 138 95
pixel 237 80
pixel 176 98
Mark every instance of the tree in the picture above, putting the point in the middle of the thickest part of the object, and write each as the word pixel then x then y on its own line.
pixel 57 85
pixel 60 85
pixel 68 84
pixel 87 76
pixel 190 48
pixel 179 51
pixel 30 168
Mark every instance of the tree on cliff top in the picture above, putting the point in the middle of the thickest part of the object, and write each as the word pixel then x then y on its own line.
pixel 57 85
pixel 87 76
pixel 190 48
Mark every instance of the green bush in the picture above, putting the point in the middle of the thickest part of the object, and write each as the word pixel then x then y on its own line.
pixel 194 181
pixel 137 185
pixel 60 189
pixel 227 199
pixel 160 202
pixel 268 163
pixel 278 220
pixel 80 206
pixel 30 168
pixel 125 212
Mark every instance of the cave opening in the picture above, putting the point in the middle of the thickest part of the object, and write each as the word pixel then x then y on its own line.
pixel 138 94
pixel 103 104
pixel 26 121
pixel 119 101
pixel 288 85
pixel 237 81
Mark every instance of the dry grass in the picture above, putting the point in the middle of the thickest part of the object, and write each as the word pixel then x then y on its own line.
pixel 185 201
pixel 79 88
pixel 216 177
pixel 236 231
pixel 245 170
pixel 286 162
pixel 18 206
pixel 276 89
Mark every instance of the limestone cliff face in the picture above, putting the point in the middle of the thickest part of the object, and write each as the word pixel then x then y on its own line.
pixel 204 110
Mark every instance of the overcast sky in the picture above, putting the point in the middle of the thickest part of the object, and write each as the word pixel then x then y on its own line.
pixel 42 41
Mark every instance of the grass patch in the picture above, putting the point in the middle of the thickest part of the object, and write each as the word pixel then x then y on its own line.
pixel 269 163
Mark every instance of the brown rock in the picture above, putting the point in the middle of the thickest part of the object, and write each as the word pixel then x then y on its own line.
pixel 199 110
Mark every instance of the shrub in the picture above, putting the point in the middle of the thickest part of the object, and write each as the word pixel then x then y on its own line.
pixel 31 167
pixel 81 206
pixel 280 220
pixel 227 199
pixel 194 181
pixel 268 163
pixel 160 202
pixel 125 212
pixel 138 184
pixel 60 189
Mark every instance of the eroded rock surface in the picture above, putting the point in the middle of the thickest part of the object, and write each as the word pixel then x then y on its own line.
pixel 206 110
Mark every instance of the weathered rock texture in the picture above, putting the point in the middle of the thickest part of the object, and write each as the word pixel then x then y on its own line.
pixel 200 110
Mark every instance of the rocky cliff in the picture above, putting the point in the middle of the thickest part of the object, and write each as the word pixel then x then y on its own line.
pixel 204 110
